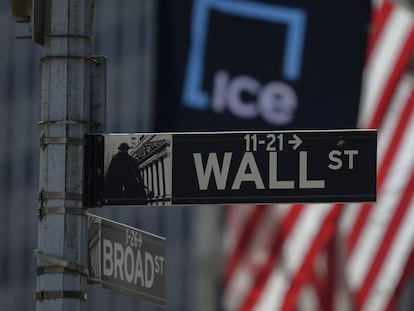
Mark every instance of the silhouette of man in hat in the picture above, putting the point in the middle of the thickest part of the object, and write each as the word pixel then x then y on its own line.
pixel 123 179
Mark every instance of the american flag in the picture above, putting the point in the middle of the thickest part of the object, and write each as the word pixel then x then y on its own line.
pixel 335 256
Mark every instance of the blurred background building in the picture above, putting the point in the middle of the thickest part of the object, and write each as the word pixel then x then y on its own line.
pixel 147 60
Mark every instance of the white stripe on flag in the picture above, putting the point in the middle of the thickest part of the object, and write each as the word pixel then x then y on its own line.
pixel 398 175
pixel 383 60
pixel 294 251
pixel 348 217
pixel 255 255
pixel 389 276
pixel 394 112
pixel 237 216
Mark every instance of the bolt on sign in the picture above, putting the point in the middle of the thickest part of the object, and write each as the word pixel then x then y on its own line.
pixel 231 167
pixel 126 260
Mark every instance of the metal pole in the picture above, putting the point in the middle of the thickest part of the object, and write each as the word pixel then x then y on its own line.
pixel 65 100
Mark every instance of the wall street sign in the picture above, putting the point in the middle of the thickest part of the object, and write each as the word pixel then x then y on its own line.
pixel 231 167
pixel 126 260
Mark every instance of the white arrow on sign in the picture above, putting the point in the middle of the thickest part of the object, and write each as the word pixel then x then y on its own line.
pixel 296 142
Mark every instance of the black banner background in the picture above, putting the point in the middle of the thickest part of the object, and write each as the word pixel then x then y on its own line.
pixel 329 80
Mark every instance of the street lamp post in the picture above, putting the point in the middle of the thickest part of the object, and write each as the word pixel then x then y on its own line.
pixel 65 105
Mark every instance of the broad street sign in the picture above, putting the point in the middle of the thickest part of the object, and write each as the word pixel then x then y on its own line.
pixel 231 167
pixel 126 260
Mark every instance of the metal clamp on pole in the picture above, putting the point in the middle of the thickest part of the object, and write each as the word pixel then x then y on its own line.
pixel 43 211
pixel 69 36
pixel 67 122
pixel 23 37
pixel 60 263
pixel 45 295
pixel 53 270
pixel 60 140
pixel 67 57
pixel 44 196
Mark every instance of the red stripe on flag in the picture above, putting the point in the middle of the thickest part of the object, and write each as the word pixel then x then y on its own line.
pixel 324 285
pixel 382 172
pixel 393 80
pixel 324 235
pixel 243 240
pixel 382 252
pixel 328 296
pixel 408 270
pixel 379 18
pixel 280 236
